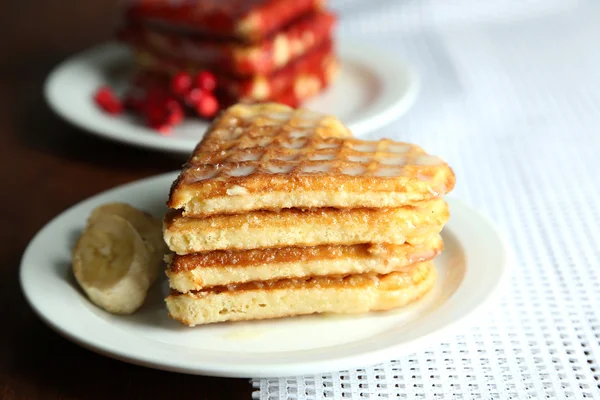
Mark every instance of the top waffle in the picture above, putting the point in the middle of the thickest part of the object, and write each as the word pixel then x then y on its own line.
pixel 270 156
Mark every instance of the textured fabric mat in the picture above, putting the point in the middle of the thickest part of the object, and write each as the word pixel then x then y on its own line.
pixel 515 109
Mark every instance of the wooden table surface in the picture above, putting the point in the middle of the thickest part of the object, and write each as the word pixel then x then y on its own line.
pixel 47 166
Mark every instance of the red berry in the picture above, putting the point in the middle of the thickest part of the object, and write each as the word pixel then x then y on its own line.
pixel 206 81
pixel 181 83
pixel 193 97
pixel 174 112
pixel 163 112
pixel 163 129
pixel 159 124
pixel 208 106
pixel 106 100
pixel 154 109
pixel 155 117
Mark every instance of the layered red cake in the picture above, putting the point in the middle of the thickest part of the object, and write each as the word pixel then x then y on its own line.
pixel 244 20
pixel 235 58
pixel 254 50
pixel 320 62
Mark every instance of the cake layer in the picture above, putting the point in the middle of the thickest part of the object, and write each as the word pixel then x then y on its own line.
pixel 244 20
pixel 304 86
pixel 237 59
pixel 283 298
pixel 320 61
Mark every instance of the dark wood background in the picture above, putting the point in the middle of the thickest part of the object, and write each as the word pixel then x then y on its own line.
pixel 47 166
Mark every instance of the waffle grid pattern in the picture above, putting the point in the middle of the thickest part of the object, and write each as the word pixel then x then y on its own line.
pixel 291 143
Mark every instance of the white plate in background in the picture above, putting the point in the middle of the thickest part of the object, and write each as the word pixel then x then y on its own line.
pixel 372 89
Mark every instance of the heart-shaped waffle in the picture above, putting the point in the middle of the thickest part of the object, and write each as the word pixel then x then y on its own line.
pixel 270 156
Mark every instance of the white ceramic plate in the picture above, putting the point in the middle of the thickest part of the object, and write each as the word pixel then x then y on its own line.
pixel 470 271
pixel 372 89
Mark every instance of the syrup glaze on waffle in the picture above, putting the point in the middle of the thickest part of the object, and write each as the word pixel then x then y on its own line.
pixel 270 156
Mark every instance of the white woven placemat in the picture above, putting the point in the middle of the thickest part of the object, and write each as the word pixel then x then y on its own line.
pixel 516 112
pixel 381 16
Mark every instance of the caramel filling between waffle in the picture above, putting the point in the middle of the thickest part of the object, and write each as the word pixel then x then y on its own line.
pixel 245 258
pixel 391 281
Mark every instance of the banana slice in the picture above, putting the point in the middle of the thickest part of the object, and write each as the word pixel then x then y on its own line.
pixel 149 228
pixel 112 263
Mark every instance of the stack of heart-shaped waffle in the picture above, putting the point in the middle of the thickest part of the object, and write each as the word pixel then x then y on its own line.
pixel 282 212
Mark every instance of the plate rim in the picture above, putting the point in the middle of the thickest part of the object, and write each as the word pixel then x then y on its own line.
pixel 393 107
pixel 282 369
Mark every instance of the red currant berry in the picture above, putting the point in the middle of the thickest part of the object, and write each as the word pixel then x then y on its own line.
pixel 174 112
pixel 193 97
pixel 181 83
pixel 107 101
pixel 208 106
pixel 206 81
pixel 164 129
pixel 155 116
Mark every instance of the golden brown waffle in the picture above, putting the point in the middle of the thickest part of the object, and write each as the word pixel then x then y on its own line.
pixel 328 294
pixel 313 227
pixel 201 270
pixel 270 156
